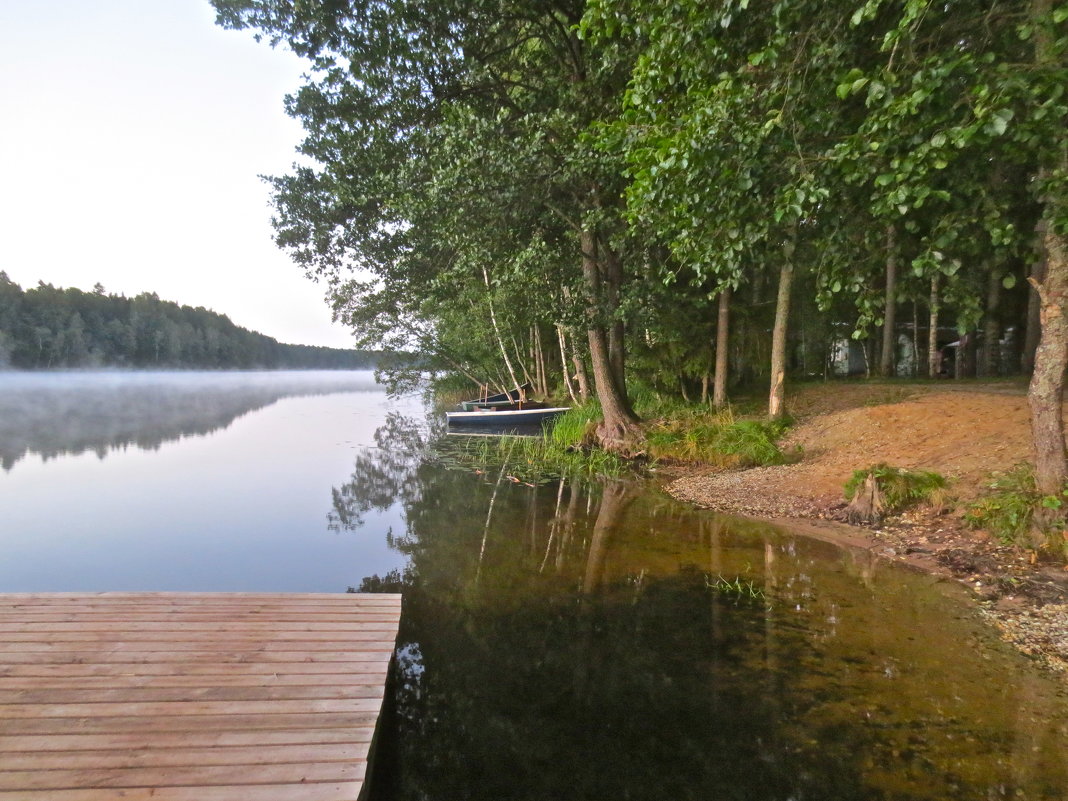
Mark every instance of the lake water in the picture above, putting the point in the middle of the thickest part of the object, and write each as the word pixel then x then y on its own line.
pixel 560 639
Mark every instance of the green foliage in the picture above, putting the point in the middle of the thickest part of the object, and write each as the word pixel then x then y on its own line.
pixel 717 439
pixel 901 488
pixel 1007 511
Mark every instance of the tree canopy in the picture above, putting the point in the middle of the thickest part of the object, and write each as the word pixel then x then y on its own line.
pixel 650 190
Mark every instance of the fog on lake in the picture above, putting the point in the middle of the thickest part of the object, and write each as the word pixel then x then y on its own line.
pixel 168 481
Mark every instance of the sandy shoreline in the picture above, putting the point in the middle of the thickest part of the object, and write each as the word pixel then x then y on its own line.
pixel 1025 601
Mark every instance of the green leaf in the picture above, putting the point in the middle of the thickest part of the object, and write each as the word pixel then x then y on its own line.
pixel 1009 281
pixel 999 121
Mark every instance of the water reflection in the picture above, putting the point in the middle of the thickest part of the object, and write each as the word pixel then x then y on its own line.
pixel 57 413
pixel 573 641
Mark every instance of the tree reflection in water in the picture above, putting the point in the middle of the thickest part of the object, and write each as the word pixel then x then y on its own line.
pixel 564 642
pixel 58 413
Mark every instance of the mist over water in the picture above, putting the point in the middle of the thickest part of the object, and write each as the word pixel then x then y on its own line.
pixel 71 412
pixel 205 481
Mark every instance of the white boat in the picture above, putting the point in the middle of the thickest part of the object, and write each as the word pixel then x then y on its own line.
pixel 505 417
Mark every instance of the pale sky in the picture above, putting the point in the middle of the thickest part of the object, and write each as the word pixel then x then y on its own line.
pixel 132 135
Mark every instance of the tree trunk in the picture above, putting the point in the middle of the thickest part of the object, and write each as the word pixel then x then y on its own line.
pixel 618 432
pixel 934 355
pixel 617 349
pixel 915 339
pixel 497 331
pixel 886 361
pixel 539 363
pixel 563 363
pixel 580 371
pixel 719 391
pixel 992 327
pixel 1046 392
pixel 777 395
pixel 1033 325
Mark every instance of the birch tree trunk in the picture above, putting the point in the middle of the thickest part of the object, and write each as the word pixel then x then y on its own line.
pixel 719 390
pixel 497 331
pixel 934 355
pixel 777 395
pixel 886 360
pixel 563 363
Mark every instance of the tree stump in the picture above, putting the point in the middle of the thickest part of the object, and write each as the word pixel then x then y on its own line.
pixel 867 506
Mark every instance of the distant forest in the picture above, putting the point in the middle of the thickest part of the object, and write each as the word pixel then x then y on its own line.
pixel 52 327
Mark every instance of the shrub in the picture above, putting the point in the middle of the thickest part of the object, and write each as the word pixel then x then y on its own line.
pixel 1008 510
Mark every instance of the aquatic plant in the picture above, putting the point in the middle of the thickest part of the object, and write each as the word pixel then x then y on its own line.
pixel 735 587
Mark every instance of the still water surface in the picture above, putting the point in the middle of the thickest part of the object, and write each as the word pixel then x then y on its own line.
pixel 566 640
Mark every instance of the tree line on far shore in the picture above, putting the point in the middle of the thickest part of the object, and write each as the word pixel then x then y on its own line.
pixel 51 327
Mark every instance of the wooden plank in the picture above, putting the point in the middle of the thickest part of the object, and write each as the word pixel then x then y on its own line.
pixel 9 685
pixel 176 697
pixel 203 657
pixel 175 597
pixel 185 708
pixel 197 635
pixel 187 616
pixel 107 742
pixel 154 693
pixel 22 629
pixel 189 723
pixel 367 662
pixel 186 756
pixel 335 791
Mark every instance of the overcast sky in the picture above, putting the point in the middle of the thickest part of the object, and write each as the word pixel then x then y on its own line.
pixel 132 135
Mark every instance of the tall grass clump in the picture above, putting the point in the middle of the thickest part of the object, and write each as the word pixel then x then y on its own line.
pixel 574 428
pixel 717 439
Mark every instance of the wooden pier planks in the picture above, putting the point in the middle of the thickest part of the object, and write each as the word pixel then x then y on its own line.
pixel 183 697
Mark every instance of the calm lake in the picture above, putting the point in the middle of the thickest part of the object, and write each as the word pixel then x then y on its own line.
pixel 567 640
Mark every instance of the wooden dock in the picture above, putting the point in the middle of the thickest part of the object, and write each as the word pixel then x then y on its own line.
pixel 191 697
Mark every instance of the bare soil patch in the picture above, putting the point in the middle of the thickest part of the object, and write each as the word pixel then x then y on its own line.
pixel 965 431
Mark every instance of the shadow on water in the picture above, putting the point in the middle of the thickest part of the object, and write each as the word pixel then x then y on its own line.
pixel 57 413
pixel 591 641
